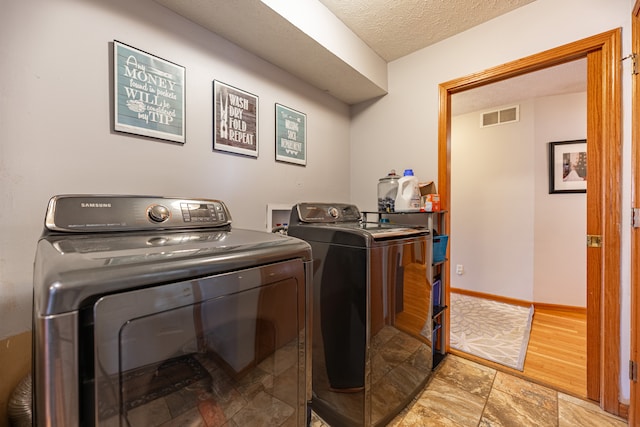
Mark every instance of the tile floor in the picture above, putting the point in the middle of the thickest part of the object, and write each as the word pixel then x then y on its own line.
pixel 400 366
pixel 264 396
pixel 462 393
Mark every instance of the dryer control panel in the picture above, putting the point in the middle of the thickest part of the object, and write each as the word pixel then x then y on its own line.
pixel 104 213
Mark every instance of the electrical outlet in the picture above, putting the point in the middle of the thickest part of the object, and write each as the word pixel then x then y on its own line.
pixel 459 269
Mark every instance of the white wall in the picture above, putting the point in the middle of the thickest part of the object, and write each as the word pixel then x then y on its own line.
pixel 56 138
pixel 400 130
pixel 492 204
pixel 560 261
pixel 513 238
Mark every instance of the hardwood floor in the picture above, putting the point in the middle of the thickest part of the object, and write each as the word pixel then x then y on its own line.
pixel 557 352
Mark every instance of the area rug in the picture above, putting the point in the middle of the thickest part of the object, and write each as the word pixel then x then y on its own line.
pixel 492 330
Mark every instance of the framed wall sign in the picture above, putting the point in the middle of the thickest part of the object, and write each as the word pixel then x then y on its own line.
pixel 235 120
pixel 568 166
pixel 149 94
pixel 291 135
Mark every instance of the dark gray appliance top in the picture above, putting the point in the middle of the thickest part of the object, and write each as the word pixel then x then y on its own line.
pixel 86 213
pixel 341 223
pixel 74 267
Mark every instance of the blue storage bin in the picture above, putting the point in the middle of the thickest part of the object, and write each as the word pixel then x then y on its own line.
pixel 436 293
pixel 439 247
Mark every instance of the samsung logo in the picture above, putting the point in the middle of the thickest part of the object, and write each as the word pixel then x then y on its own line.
pixel 95 205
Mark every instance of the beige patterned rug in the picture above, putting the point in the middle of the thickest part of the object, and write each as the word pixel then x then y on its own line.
pixel 492 330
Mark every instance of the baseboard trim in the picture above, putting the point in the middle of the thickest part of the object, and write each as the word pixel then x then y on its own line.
pixel 567 308
pixel 623 411
pixel 523 303
pixel 497 298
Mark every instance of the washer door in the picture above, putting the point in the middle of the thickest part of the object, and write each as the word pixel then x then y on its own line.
pixel 207 351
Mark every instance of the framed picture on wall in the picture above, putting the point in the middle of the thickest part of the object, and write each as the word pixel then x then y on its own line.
pixel 568 166
pixel 235 120
pixel 149 94
pixel 291 135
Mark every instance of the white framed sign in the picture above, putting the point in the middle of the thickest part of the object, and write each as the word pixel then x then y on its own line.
pixel 235 120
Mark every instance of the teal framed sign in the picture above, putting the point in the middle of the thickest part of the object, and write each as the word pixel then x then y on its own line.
pixel 149 94
pixel 291 135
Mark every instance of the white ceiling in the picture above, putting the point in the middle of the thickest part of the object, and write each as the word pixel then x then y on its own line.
pixel 395 28
pixel 562 79
pixel 391 28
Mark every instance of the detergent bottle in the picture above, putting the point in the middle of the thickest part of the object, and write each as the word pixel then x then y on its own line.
pixel 408 196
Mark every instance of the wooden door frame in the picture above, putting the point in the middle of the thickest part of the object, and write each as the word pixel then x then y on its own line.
pixel 603 54
pixel 634 399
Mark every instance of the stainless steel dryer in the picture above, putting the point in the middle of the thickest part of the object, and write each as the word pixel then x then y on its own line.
pixel 151 310
pixel 371 328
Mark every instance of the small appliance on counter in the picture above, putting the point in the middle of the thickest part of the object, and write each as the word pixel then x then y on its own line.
pixel 387 192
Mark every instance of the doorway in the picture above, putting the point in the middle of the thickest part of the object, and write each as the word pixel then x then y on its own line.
pixel 516 242
pixel 603 199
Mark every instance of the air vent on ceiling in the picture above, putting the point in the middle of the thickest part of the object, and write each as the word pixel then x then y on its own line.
pixel 500 117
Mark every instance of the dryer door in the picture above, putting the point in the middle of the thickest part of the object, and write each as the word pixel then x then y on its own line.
pixel 210 351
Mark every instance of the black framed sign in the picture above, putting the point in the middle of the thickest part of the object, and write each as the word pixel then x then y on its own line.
pixel 568 166
pixel 149 94
pixel 291 135
pixel 235 120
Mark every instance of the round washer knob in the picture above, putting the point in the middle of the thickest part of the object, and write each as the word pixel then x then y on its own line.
pixel 334 212
pixel 158 213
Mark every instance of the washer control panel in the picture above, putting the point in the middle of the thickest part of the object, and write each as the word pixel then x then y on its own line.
pixel 327 212
pixel 99 213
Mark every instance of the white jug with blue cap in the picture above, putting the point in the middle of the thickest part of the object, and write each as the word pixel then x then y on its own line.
pixel 408 196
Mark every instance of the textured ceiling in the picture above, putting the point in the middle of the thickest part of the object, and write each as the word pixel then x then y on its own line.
pixel 396 28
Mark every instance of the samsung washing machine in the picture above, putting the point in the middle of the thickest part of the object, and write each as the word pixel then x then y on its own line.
pixel 371 297
pixel 153 311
